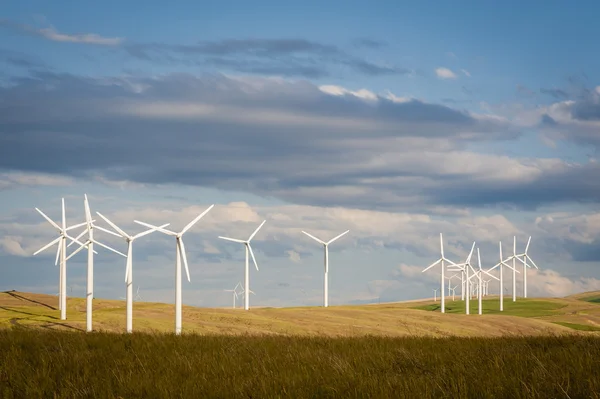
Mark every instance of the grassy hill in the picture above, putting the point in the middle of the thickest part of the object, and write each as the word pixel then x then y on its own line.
pixel 571 315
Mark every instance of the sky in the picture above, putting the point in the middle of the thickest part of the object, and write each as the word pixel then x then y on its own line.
pixel 397 121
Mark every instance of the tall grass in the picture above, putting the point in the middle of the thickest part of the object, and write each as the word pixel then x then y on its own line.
pixel 39 364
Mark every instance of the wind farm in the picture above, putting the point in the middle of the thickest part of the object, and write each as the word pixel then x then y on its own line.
pixel 298 200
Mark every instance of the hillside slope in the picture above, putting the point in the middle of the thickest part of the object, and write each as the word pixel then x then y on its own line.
pixel 392 319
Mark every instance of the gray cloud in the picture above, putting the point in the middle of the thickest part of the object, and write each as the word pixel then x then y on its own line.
pixel 276 138
pixel 286 57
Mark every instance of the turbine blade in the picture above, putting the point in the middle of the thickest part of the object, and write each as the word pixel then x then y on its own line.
pixel 151 226
pixel 114 226
pixel 442 245
pixel 109 248
pixel 48 245
pixel 527 246
pixel 64 216
pixel 128 266
pixel 75 226
pixel 432 265
pixel 232 239
pixel 533 263
pixel 471 253
pixel 49 220
pixel 493 267
pixel 479 258
pixel 184 256
pixel 333 239
pixel 315 238
pixel 510 267
pixel 58 249
pixel 88 214
pixel 491 275
pixel 256 231
pixel 148 231
pixel 253 258
pixel 109 232
pixel 193 222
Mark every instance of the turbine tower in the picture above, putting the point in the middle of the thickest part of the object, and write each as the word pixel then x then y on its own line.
pixel 179 253
pixel 500 264
pixel 464 269
pixel 526 265
pixel 247 268
pixel 129 266
pixel 90 267
pixel 61 252
pixel 326 248
pixel 481 289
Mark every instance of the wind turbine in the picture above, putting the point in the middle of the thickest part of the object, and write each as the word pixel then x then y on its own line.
pixel 501 263
pixel 234 293
pixel 247 269
pixel 179 253
pixel 90 267
pixel 326 278
pixel 525 266
pixel 442 260
pixel 480 288
pixel 138 297
pixel 129 266
pixel 453 290
pixel 61 252
pixel 435 290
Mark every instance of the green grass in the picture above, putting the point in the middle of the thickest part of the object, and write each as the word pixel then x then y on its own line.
pixel 579 327
pixel 38 364
pixel 522 307
pixel 592 299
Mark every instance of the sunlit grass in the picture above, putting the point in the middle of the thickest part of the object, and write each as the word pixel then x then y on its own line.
pixel 578 327
pixel 522 307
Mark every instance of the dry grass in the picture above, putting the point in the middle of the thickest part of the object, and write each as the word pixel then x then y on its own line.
pixel 391 319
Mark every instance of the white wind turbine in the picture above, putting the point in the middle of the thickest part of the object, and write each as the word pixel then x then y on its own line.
pixel 138 297
pixel 453 291
pixel 326 278
pixel 501 263
pixel 435 290
pixel 61 251
pixel 247 268
pixel 234 293
pixel 525 265
pixel 179 253
pixel 442 260
pixel 129 266
pixel 89 243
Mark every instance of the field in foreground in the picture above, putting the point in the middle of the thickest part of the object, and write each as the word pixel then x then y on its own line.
pixel 549 316
pixel 37 363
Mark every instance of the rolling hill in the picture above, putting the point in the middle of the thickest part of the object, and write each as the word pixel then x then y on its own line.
pixel 577 314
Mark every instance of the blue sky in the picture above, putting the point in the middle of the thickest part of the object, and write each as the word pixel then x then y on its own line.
pixel 397 121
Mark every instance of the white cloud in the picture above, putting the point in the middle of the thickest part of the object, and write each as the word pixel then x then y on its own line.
pixel 552 283
pixel 12 246
pixel 445 73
